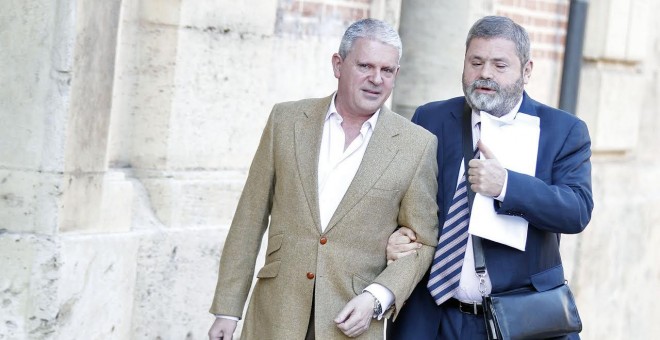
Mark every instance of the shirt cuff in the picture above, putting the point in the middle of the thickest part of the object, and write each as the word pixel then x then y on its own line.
pixel 383 295
pixel 226 317
pixel 503 193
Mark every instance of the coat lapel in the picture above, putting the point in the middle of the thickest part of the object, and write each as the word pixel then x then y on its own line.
pixel 308 132
pixel 378 156
pixel 452 144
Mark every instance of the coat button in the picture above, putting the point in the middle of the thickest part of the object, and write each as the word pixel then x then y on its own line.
pixel 310 275
pixel 323 240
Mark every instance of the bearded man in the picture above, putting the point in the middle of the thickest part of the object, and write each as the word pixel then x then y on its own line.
pixel 556 200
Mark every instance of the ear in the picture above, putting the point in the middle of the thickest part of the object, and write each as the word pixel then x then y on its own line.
pixel 336 64
pixel 527 71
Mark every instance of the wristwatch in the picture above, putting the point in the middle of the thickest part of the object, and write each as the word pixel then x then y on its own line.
pixel 378 309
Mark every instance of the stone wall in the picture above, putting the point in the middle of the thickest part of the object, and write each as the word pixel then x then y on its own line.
pixel 615 259
pixel 128 127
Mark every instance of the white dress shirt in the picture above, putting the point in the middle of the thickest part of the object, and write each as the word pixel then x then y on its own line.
pixel 337 168
pixel 468 287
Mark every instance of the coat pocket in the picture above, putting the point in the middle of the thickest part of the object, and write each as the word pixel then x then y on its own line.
pixel 270 270
pixel 383 193
pixel 274 244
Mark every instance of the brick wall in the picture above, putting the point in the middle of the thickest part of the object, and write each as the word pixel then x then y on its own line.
pixel 545 21
pixel 319 17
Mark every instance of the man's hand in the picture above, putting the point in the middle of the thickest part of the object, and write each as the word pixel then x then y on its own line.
pixel 222 329
pixel 356 316
pixel 401 243
pixel 486 175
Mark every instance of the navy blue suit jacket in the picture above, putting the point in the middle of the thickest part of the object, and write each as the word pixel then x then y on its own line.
pixel 558 200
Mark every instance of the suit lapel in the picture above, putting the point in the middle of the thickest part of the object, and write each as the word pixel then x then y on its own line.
pixel 377 157
pixel 528 105
pixel 452 141
pixel 308 132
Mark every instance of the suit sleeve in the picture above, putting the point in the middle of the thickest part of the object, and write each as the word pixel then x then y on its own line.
pixel 419 212
pixel 564 205
pixel 250 221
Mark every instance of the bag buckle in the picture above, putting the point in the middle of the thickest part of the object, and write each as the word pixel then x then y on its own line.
pixel 482 283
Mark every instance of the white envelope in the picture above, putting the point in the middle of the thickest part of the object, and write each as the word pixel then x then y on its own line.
pixel 515 145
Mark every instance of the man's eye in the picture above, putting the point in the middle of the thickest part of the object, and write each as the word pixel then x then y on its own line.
pixel 363 67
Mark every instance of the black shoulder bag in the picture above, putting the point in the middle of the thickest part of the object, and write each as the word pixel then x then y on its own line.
pixel 523 313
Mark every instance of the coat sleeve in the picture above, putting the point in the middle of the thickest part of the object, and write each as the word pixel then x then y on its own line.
pixel 565 204
pixel 419 212
pixel 250 221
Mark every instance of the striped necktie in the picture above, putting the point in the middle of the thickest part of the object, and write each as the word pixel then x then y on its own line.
pixel 448 261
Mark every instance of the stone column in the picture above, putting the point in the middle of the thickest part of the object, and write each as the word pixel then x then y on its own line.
pixel 55 186
pixel 433 35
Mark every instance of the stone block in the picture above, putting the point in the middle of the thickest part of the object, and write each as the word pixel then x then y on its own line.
pixel 28 286
pixel 96 202
pixel 617 30
pixel 96 285
pixel 300 68
pixel 81 202
pixel 219 94
pixel 116 203
pixel 125 86
pixel 30 112
pixel 176 277
pixel 610 103
pixel 220 105
pixel 30 201
pixel 91 92
pixel 545 83
pixel 151 103
pixel 193 199
pixel 160 12
pixel 613 274
pixel 245 17
pixel 639 35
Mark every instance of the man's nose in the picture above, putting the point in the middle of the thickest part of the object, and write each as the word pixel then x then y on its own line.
pixel 377 77
pixel 486 72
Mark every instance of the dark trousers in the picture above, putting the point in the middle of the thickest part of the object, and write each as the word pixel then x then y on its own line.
pixel 310 326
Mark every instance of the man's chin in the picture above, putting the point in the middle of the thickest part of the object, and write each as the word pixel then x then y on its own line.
pixel 483 104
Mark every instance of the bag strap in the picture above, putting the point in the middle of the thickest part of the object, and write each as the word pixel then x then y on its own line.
pixel 468 152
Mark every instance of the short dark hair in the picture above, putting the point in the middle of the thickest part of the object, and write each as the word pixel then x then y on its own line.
pixel 501 27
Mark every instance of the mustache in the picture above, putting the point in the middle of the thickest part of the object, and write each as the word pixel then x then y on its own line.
pixel 487 83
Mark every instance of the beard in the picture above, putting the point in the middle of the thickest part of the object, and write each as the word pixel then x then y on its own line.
pixel 498 104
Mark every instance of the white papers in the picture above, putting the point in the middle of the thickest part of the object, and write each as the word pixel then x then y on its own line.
pixel 515 145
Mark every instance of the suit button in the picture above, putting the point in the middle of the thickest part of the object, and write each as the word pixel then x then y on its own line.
pixel 310 275
pixel 323 240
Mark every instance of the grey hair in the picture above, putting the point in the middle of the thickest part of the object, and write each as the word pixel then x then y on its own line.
pixel 501 27
pixel 372 29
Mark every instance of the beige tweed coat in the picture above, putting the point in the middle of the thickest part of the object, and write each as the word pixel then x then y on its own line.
pixel 395 185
